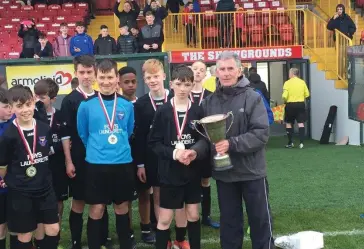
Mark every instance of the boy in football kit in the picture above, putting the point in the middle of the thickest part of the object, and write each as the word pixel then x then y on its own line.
pixel 75 156
pixel 5 121
pixel 198 94
pixel 171 136
pixel 145 159
pixel 46 90
pixel 105 123
pixel 25 147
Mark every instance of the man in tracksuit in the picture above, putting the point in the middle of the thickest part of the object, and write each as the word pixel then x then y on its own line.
pixel 81 43
pixel 105 123
pixel 245 144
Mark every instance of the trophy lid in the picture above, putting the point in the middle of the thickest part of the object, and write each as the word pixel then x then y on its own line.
pixel 213 118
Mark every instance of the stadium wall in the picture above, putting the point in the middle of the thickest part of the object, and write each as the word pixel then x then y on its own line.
pixel 323 95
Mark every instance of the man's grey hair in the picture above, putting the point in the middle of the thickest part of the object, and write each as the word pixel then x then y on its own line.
pixel 294 71
pixel 213 70
pixel 227 55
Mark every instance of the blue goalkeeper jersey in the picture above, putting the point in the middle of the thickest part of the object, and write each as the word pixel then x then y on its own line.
pixel 103 145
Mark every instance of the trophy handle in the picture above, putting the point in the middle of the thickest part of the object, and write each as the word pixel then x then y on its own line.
pixel 232 120
pixel 194 122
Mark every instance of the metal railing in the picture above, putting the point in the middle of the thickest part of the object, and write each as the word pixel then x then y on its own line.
pixel 238 29
pixel 328 47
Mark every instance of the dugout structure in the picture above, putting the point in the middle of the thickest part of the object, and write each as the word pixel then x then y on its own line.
pixel 28 71
pixel 356 85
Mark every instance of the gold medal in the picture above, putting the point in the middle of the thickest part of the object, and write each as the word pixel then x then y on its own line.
pixel 112 139
pixel 31 171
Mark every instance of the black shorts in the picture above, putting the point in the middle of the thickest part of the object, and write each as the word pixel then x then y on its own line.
pixel 106 184
pixel 174 197
pixel 60 182
pixel 77 184
pixel 151 172
pixel 25 212
pixel 206 169
pixel 295 111
pixel 3 197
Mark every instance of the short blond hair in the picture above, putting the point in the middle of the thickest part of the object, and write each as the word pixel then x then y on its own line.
pixel 152 66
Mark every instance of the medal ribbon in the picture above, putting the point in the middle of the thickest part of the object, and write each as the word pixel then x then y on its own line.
pixel 112 121
pixel 201 97
pixel 176 121
pixel 82 92
pixel 52 116
pixel 25 142
pixel 153 102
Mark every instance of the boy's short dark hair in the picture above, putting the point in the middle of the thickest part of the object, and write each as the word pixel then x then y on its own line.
pixel 19 93
pixel 188 4
pixel 84 60
pixel 252 70
pixel 81 24
pixel 74 83
pixel 42 35
pixel 103 27
pixel 149 13
pixel 4 96
pixel 64 24
pixel 182 73
pixel 41 87
pixel 125 70
pixel 107 65
pixel 53 88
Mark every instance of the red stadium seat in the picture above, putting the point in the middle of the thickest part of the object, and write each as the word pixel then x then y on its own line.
pixel 79 12
pixel 12 40
pixel 4 49
pixel 2 9
pixel 55 26
pixel 210 32
pixel 71 25
pixel 68 6
pixel 51 35
pixel 252 19
pixel 13 55
pixel 286 33
pixel 64 12
pixel 52 12
pixel 82 6
pixel 42 26
pixel 54 7
pixel 14 7
pixel 40 6
pixel 15 21
pixel 281 18
pixel 247 6
pixel 9 28
pixel 7 14
pixel 74 18
pixel 46 19
pixel 27 7
pixel 60 19
pixel 5 2
pixel 261 5
pixel 256 34
pixel 274 4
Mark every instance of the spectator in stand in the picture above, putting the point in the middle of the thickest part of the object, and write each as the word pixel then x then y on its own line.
pixel 151 35
pixel 342 22
pixel 189 20
pixel 81 43
pixel 225 21
pixel 127 43
pixel 127 17
pixel 34 2
pixel 61 46
pixel 173 6
pixel 257 83
pixel 30 35
pixel 104 44
pixel 157 9
pixel 43 48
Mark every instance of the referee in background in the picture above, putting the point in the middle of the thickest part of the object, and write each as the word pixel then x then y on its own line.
pixel 295 92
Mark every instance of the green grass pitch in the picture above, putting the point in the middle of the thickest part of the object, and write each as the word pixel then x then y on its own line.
pixel 318 188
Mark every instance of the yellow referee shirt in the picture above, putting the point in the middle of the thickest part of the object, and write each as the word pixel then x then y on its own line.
pixel 295 90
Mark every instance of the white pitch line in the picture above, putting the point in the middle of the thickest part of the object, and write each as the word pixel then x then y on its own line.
pixel 210 241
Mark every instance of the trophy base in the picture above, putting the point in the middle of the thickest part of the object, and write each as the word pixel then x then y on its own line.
pixel 222 163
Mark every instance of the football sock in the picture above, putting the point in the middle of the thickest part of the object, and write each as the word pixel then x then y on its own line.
pixel 206 202
pixel 50 242
pixel 26 245
pixel 289 134
pixel 153 219
pixel 13 241
pixel 301 131
pixel 105 227
pixel 194 234
pixel 162 238
pixel 3 243
pixel 123 230
pixel 93 233
pixel 76 223
pixel 180 233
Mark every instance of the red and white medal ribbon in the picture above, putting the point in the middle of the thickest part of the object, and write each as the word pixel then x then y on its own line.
pixel 82 92
pixel 112 121
pixel 153 102
pixel 52 117
pixel 25 142
pixel 176 120
pixel 201 97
